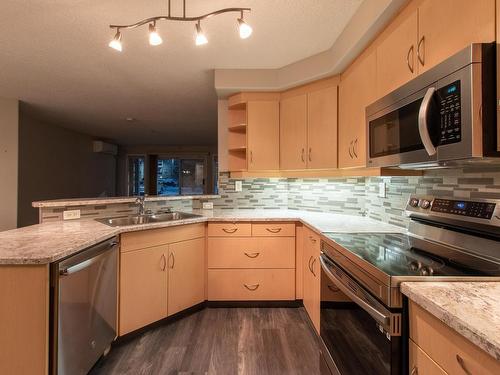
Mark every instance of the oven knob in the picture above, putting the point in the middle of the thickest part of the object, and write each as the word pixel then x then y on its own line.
pixel 414 265
pixel 426 271
pixel 414 202
pixel 425 204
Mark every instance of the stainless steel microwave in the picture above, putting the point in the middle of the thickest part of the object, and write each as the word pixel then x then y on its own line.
pixel 444 117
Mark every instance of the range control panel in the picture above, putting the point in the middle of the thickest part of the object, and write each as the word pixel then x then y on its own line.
pixel 450 113
pixel 484 209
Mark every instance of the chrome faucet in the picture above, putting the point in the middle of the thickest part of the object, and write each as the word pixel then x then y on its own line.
pixel 140 201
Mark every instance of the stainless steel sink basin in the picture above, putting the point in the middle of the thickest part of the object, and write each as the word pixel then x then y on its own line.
pixel 146 219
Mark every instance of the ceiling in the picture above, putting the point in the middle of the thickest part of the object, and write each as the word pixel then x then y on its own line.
pixel 54 58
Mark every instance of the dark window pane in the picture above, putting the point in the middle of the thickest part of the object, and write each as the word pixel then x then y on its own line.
pixel 168 177
pixel 136 175
pixel 192 176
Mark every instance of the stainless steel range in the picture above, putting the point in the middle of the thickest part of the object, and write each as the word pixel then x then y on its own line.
pixel 364 327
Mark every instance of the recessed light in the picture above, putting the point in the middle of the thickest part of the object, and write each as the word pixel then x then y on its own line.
pixel 130 119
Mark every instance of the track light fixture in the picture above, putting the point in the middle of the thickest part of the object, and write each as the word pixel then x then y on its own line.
pixel 155 38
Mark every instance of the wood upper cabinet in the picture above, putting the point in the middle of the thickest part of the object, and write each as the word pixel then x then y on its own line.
pixel 311 276
pixel 357 90
pixel 447 26
pixel 143 287
pixel 397 52
pixel 322 128
pixel 293 132
pixel 263 135
pixel 186 274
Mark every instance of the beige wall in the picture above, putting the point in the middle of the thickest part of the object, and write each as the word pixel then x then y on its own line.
pixel 9 126
pixel 55 162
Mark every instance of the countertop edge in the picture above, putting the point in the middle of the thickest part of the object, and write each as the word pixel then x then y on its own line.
pixel 461 327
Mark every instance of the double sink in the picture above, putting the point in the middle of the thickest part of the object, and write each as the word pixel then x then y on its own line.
pixel 122 221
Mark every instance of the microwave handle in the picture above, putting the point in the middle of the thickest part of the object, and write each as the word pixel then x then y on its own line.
pixel 371 310
pixel 423 128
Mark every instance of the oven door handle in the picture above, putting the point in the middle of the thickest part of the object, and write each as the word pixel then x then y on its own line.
pixel 374 313
pixel 423 128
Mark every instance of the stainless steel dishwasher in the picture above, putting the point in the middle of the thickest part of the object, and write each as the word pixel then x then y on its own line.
pixel 84 308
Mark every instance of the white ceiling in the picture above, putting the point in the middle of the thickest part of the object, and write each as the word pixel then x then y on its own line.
pixel 54 57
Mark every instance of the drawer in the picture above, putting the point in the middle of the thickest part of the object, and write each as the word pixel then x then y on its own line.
pixel 273 229
pixel 156 237
pixel 251 284
pixel 421 363
pixel 330 292
pixel 229 229
pixel 450 350
pixel 255 252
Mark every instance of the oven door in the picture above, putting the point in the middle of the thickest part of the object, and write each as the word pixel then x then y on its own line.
pixel 359 335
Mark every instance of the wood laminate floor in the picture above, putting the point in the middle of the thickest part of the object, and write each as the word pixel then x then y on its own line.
pixel 221 341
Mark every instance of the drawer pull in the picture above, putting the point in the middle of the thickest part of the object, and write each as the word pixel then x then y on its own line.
pixel 273 230
pixel 230 231
pixel 461 362
pixel 334 289
pixel 252 255
pixel 251 287
pixel 414 370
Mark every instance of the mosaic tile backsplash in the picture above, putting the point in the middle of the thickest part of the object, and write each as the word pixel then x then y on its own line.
pixel 358 195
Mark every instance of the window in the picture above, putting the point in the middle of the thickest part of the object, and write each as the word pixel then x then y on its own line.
pixel 136 175
pixel 180 176
pixel 167 177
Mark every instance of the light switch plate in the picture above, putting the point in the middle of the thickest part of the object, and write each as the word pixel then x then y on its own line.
pixel 71 214
pixel 238 186
pixel 381 190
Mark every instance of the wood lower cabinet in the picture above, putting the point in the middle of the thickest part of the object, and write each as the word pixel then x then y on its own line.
pixel 357 90
pixel 158 281
pixel 447 26
pixel 421 363
pixel 312 276
pixel 449 350
pixel 293 132
pixel 186 274
pixel 143 287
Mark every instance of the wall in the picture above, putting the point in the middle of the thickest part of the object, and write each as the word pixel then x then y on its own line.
pixel 9 120
pixel 58 163
pixel 359 195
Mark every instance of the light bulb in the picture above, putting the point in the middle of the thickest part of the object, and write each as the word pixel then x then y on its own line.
pixel 154 38
pixel 116 43
pixel 200 36
pixel 245 29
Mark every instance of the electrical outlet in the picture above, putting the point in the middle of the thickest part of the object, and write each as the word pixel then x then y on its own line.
pixel 238 185
pixel 71 214
pixel 208 205
pixel 382 190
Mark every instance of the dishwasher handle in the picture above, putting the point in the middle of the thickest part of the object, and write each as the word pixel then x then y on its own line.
pixel 88 262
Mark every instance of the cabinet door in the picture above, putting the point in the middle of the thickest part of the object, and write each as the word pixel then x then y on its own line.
pixel 357 90
pixel 186 274
pixel 263 135
pixel 447 26
pixel 143 287
pixel 311 276
pixel 397 54
pixel 293 132
pixel 322 128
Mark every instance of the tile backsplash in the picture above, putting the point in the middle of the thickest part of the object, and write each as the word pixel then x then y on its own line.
pixel 359 195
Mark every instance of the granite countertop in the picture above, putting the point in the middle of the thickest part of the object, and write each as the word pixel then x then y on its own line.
pixel 49 242
pixel 470 308
pixel 116 200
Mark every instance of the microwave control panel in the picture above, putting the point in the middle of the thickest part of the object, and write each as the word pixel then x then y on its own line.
pixel 450 113
pixel 480 210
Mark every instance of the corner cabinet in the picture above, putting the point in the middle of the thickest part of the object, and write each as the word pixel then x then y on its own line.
pixel 357 90
pixel 162 272
pixel 293 132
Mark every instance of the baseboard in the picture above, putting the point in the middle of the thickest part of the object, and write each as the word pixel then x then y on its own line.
pixel 236 304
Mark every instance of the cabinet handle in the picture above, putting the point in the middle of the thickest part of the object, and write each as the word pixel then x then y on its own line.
pixel 164 262
pixel 172 256
pixel 421 56
pixel 350 150
pixel 310 153
pixel 251 156
pixel 334 289
pixel 312 267
pixel 309 265
pixel 410 66
pixel 302 156
pixel 251 287
pixel 273 230
pixel 461 362
pixel 414 370
pixel 354 148
pixel 252 255
pixel 230 231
